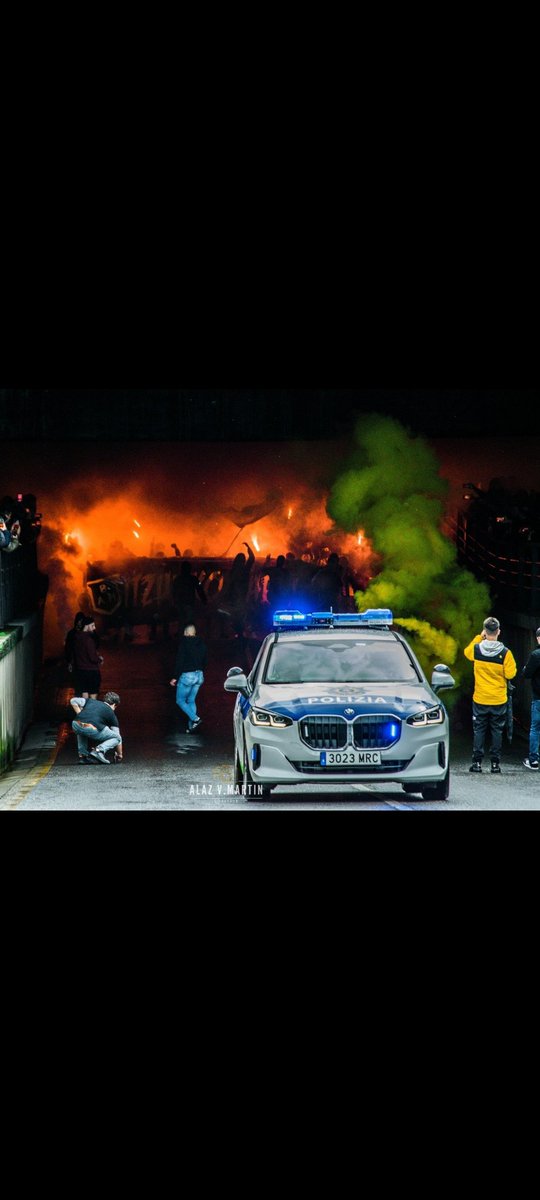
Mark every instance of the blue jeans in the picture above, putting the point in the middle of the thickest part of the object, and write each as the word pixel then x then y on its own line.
pixel 534 735
pixel 108 739
pixel 186 691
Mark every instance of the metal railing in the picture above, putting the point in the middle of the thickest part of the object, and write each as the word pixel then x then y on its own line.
pixel 510 569
pixel 20 583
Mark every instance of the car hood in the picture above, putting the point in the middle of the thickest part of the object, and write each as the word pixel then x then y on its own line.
pixel 344 700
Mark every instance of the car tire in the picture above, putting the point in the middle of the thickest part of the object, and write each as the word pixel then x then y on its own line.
pixel 430 791
pixel 438 791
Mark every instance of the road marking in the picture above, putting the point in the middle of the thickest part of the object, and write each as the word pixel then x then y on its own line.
pixel 362 787
pixel 35 774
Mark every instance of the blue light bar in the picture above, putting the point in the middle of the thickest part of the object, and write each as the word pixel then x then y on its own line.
pixel 374 618
pixel 380 617
pixel 289 617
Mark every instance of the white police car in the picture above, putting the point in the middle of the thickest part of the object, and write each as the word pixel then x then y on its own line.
pixel 339 697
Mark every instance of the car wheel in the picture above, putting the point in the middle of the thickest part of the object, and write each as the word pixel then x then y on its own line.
pixel 438 791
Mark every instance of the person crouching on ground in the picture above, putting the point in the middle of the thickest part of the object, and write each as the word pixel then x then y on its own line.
pixel 98 724
pixel 494 665
pixel 191 660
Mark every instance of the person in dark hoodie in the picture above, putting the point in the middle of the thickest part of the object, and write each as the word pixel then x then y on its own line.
pixel 78 625
pixel 494 665
pixel 190 663
pixel 86 660
pixel 531 671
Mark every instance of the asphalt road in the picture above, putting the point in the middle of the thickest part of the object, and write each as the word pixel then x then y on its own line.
pixel 168 769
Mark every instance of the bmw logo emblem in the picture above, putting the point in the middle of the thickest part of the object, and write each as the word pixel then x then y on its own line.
pixel 349 712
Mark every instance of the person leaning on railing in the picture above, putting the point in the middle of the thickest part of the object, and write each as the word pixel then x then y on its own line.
pixel 9 537
pixel 5 535
pixel 10 525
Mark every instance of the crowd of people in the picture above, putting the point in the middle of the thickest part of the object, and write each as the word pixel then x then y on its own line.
pixel 248 595
pixel 228 598
pixel 20 524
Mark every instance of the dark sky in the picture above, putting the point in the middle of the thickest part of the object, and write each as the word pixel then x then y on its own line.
pixel 258 413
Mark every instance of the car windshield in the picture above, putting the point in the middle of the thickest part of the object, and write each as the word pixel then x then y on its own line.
pixel 369 661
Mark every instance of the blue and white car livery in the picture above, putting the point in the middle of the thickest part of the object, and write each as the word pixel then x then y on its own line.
pixel 336 697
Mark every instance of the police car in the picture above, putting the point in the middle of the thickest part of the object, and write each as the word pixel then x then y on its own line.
pixel 339 697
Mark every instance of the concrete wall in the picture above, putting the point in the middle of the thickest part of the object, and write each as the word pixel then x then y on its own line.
pixel 19 653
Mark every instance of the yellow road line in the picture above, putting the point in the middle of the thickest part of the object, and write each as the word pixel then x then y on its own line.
pixel 36 773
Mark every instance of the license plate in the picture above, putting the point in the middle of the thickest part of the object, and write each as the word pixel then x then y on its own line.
pixel 350 758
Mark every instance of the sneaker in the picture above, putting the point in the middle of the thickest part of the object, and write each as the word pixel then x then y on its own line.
pixel 83 760
pixel 495 769
pixel 476 768
pixel 195 725
pixel 100 757
pixel 532 766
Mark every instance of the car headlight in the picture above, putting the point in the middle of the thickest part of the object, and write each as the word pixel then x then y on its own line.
pixel 432 716
pixel 258 716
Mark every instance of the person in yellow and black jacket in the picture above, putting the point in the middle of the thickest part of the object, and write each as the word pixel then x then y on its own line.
pixel 494 665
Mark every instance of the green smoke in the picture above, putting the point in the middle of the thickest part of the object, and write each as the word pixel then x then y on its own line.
pixel 391 488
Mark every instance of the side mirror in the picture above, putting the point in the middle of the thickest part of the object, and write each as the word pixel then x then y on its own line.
pixel 236 681
pixel 442 678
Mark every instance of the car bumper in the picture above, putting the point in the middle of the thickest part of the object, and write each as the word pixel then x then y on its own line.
pixel 296 763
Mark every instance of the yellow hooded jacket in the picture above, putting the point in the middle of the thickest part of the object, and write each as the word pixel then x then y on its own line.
pixel 494 664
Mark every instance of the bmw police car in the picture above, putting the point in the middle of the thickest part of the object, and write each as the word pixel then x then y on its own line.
pixel 339 697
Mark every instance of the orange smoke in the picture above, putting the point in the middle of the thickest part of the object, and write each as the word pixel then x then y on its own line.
pixel 104 532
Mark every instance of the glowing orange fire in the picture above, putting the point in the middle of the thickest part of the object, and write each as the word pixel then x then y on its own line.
pixel 185 521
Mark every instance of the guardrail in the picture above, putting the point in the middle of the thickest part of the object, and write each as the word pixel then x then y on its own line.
pixel 511 571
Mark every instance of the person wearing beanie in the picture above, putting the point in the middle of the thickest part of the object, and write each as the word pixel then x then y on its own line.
pixel 494 665
pixel 85 659
pixel 531 671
